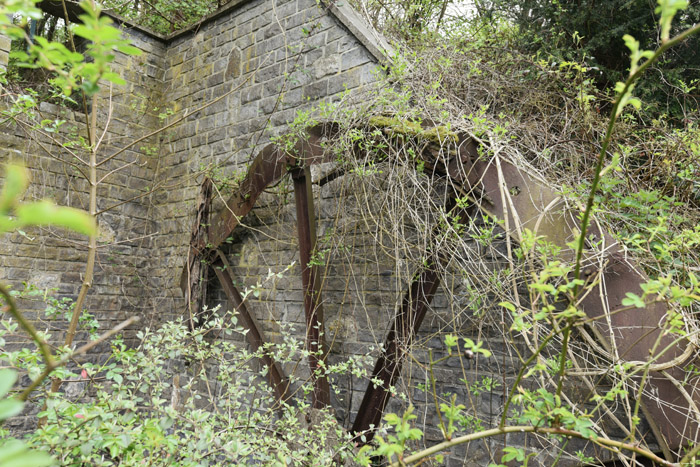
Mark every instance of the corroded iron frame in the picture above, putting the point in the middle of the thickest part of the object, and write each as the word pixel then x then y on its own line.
pixel 495 186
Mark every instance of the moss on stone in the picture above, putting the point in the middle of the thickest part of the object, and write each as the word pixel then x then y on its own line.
pixel 438 134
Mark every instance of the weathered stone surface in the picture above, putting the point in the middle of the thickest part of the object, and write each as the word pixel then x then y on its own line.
pixel 233 70
pixel 5 44
pixel 327 66
pixel 264 60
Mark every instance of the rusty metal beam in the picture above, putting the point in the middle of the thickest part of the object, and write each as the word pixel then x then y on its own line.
pixel 387 369
pixel 398 341
pixel 306 227
pixel 255 336
pixel 631 334
pixel 270 165
pixel 195 275
pixel 267 168
pixel 510 194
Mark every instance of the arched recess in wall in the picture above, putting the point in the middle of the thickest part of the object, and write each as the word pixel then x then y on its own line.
pixel 502 191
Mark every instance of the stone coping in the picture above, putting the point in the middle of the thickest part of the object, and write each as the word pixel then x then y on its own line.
pixel 373 41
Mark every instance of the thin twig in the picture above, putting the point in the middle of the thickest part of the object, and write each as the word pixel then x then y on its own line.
pixel 604 442
pixel 11 307
pixel 50 367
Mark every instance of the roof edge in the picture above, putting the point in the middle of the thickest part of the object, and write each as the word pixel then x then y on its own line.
pixel 369 37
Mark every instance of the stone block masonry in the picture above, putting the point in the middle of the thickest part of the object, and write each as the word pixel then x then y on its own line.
pixel 263 60
pixel 5 44
pixel 242 75
pixel 266 61
pixel 53 260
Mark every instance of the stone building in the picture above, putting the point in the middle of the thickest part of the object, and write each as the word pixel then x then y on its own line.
pixel 259 62
pixel 241 75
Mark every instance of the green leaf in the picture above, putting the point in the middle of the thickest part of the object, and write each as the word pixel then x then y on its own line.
pixel 113 78
pixel 512 453
pixel 544 288
pixel 451 340
pixel 583 426
pixel 414 433
pixel 633 300
pixel 631 43
pixel 668 9
pixel 14 453
pixel 7 224
pixel 10 408
pixel 476 347
pixel 635 102
pixel 129 49
pixel 47 213
pixel 24 9
pixel 90 87
pixel 16 181
pixel 508 306
pixel 392 419
pixel 7 380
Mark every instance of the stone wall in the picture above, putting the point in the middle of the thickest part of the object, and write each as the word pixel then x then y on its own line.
pixel 4 51
pixel 50 258
pixel 261 65
pixel 240 78
pixel 251 67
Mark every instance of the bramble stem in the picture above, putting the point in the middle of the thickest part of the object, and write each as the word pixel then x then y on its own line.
pixel 80 351
pixel 604 442
pixel 633 77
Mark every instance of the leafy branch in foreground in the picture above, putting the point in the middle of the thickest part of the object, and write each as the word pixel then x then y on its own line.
pixel 14 215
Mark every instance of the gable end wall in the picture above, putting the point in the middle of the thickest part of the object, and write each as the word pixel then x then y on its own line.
pixel 280 57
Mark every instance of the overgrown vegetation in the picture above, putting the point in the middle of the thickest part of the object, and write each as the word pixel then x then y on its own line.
pixel 185 397
pixel 188 398
pixel 164 16
pixel 559 33
pixel 591 32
